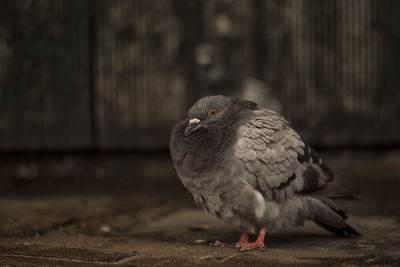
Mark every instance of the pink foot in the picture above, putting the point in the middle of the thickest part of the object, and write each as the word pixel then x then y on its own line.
pixel 244 245
pixel 249 246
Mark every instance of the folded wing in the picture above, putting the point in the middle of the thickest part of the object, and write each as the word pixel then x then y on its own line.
pixel 277 161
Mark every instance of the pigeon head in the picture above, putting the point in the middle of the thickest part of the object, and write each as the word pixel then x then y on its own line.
pixel 207 112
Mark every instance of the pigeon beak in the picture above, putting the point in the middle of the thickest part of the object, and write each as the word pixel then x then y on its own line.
pixel 192 126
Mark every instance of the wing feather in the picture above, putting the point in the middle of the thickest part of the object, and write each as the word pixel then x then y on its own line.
pixel 275 157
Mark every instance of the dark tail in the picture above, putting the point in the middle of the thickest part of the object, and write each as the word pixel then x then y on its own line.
pixel 331 218
pixel 345 231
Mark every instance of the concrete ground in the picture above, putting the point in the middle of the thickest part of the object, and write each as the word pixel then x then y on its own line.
pixel 130 209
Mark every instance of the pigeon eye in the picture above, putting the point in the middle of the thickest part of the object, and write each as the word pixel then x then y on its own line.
pixel 213 112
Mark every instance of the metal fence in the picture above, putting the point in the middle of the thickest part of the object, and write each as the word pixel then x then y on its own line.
pixel 87 74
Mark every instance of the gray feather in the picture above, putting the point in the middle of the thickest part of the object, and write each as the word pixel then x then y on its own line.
pixel 248 167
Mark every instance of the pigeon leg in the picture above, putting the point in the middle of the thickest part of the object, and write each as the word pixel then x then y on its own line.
pixel 245 245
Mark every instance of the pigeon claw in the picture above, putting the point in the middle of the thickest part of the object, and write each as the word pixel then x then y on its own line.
pixel 250 246
pixel 217 243
pixel 244 245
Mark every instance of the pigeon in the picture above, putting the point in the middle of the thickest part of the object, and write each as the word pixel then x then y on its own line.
pixel 246 165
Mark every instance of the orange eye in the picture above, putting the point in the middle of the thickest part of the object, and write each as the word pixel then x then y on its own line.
pixel 213 112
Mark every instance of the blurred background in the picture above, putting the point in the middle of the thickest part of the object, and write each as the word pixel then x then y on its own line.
pixel 90 90
pixel 98 75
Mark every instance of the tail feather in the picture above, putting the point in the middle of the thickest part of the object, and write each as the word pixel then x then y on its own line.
pixel 333 206
pixel 331 218
pixel 346 231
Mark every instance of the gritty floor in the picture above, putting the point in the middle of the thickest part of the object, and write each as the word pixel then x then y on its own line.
pixel 131 210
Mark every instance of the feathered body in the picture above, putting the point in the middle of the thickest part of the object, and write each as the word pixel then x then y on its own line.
pixel 247 166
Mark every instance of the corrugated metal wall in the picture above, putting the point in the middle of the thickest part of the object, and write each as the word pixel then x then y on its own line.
pixel 118 74
pixel 140 87
pixel 44 75
pixel 338 68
